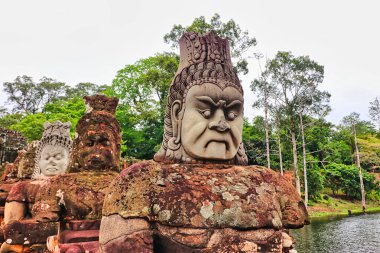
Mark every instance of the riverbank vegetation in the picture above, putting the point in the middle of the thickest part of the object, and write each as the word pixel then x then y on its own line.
pixel 328 206
pixel 333 166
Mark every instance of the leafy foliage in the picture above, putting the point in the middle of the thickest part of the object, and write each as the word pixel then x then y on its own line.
pixel 346 178
pixel 143 89
pixel 240 41
pixel 374 111
pixel 315 181
pixel 31 126
pixel 254 140
pixel 28 96
pixel 84 89
pixel 7 120
pixel 60 102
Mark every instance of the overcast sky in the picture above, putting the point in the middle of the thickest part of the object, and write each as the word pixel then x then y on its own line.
pixel 90 40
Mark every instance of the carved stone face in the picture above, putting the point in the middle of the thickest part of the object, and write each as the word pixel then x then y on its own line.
pixel 97 150
pixel 212 122
pixel 54 160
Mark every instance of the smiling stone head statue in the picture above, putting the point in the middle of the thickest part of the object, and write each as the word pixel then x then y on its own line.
pixel 53 152
pixel 204 114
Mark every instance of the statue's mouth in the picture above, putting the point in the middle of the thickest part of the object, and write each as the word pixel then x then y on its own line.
pixel 218 142
pixel 96 161
pixel 52 168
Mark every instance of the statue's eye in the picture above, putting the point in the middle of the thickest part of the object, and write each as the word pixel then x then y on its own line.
pixel 58 156
pixel 106 142
pixel 205 113
pixel 231 115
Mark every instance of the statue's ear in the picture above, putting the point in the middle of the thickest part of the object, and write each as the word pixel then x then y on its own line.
pixel 176 115
pixel 47 124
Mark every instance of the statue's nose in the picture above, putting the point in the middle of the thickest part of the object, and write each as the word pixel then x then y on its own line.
pixel 220 126
pixel 52 161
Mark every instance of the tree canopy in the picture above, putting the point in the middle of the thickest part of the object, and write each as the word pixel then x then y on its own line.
pixel 240 40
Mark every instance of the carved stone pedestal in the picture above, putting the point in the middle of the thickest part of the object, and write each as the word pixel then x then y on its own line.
pixel 76 236
pixel 28 235
pixel 200 208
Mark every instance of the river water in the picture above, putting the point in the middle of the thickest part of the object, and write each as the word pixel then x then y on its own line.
pixel 354 234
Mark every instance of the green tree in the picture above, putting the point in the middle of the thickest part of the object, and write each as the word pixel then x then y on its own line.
pixel 254 140
pixel 333 177
pixel 352 121
pixel 369 152
pixel 346 178
pixel 71 109
pixel 315 179
pixel 7 120
pixel 53 90
pixel 3 111
pixel 84 89
pixel 374 111
pixel 29 97
pixel 240 41
pixel 350 178
pixel 265 92
pixel 143 89
pixel 297 79
pixel 31 126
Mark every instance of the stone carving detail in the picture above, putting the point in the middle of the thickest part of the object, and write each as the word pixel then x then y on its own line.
pixel 41 160
pixel 213 204
pixel 23 166
pixel 75 199
pixel 10 143
pixel 98 138
pixel 53 152
pixel 27 162
pixel 204 114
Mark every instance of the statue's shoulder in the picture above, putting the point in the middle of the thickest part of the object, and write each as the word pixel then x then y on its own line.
pixel 129 193
pixel 139 169
pixel 24 191
pixel 294 212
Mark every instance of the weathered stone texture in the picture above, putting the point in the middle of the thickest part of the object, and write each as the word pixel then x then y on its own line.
pixel 27 161
pixel 197 196
pixel 218 240
pixel 204 113
pixel 200 208
pixel 29 232
pixel 11 169
pixel 24 191
pixel 73 196
pixel 53 151
pixel 206 196
pixel 98 137
pixel 10 143
pixel 138 242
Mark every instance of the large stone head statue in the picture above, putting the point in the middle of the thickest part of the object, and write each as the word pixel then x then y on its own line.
pixel 204 114
pixel 97 139
pixel 53 151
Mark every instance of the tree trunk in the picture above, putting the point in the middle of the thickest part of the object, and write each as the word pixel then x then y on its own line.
pixel 304 161
pixel 362 192
pixel 294 144
pixel 267 133
pixel 279 148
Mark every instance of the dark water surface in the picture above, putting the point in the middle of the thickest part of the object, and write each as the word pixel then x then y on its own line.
pixel 340 235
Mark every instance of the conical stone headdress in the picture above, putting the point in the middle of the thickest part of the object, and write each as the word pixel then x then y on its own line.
pixel 100 115
pixel 203 59
pixel 56 134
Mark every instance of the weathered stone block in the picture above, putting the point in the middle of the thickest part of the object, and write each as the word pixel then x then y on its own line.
pixel 28 232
